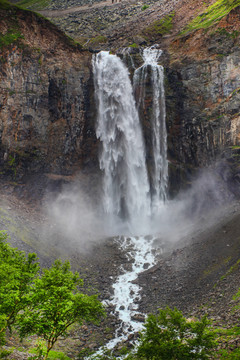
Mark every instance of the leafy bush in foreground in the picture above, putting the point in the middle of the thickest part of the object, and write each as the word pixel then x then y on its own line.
pixel 46 303
pixel 170 336
pixel 16 277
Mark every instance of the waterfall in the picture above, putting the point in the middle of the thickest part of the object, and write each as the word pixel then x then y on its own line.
pixel 157 118
pixel 131 192
pixel 126 192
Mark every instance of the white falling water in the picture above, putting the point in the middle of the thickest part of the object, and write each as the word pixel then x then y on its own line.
pixel 126 192
pixel 126 187
pixel 159 176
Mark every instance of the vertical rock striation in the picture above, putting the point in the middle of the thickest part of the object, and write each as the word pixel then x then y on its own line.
pixel 46 107
pixel 203 99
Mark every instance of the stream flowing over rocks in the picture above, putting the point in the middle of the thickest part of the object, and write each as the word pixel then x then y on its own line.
pixel 129 202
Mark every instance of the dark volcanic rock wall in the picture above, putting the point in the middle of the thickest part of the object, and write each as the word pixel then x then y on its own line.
pixel 203 102
pixel 202 107
pixel 46 107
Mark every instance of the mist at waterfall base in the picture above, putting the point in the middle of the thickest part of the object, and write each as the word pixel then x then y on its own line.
pixel 128 205
pixel 82 222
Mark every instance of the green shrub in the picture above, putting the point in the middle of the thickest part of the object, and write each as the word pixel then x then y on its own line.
pixel 145 6
pixel 56 304
pixel 134 45
pixel 12 36
pixel 169 335
pixel 16 276
pixel 44 304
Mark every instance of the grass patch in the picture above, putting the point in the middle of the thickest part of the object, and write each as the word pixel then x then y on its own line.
pixel 134 45
pixel 231 270
pixel 5 5
pixel 100 39
pixel 53 355
pixel 34 4
pixel 213 14
pixel 160 27
pixel 11 37
pixel 13 34
pixel 223 32
pixel 229 355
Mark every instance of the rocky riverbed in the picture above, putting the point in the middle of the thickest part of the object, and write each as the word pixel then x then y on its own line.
pixel 198 272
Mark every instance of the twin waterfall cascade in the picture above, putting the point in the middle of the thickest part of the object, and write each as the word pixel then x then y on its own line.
pixel 130 193
pixel 159 176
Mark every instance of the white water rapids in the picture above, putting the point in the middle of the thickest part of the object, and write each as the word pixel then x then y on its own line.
pixel 126 293
pixel 130 203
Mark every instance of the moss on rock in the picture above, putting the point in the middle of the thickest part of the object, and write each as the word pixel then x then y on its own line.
pixel 212 15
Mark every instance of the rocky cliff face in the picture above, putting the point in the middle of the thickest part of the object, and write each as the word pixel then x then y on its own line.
pixel 202 86
pixel 203 98
pixel 45 99
pixel 47 106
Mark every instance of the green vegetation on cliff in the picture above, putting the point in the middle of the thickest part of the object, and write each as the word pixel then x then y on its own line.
pixel 11 37
pixel 213 14
pixel 160 27
pixel 13 33
pixel 33 4
pixel 5 5
pixel 100 39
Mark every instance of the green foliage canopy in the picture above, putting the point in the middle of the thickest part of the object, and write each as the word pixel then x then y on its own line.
pixel 43 303
pixel 170 336
pixel 16 276
pixel 56 304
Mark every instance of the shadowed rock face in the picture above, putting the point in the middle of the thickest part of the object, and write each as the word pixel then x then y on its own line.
pixel 202 113
pixel 46 107
pixel 203 107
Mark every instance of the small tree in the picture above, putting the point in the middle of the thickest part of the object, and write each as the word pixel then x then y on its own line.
pixel 170 336
pixel 16 276
pixel 57 304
